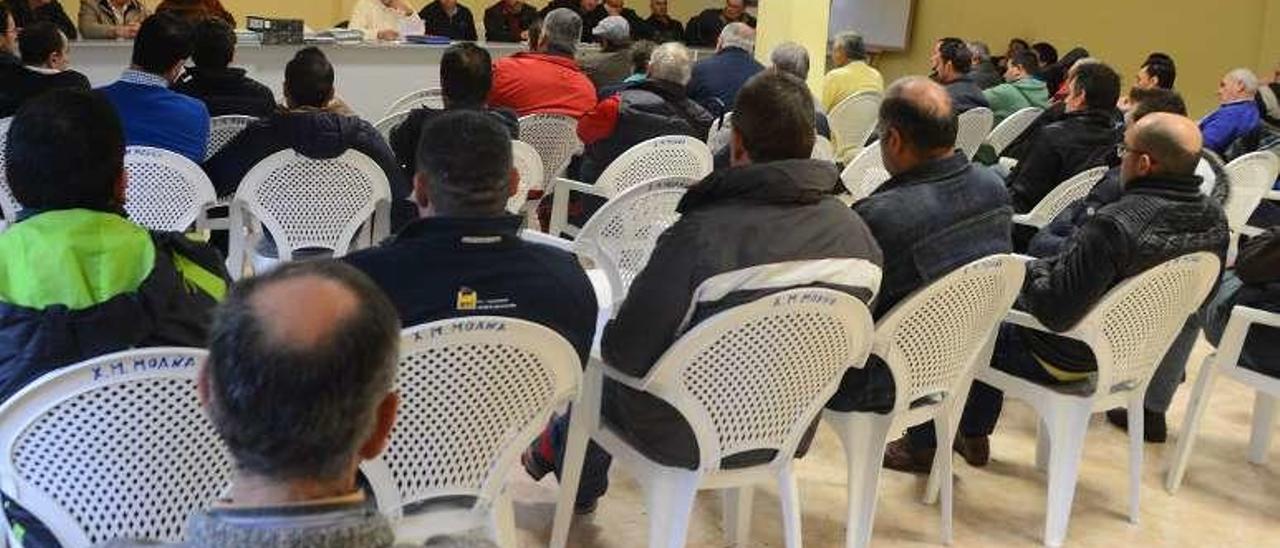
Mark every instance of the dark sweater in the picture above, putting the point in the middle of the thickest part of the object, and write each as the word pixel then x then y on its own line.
pixel 227 91
pixel 19 84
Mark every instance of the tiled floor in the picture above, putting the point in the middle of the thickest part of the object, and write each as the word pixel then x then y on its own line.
pixel 1224 501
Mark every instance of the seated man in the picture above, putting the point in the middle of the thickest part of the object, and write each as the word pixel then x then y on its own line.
pixel 45 58
pixel 984 72
pixel 306 127
pixel 706 27
pixel 1254 283
pixel 547 80
pixel 612 64
pixel 591 11
pixel 793 58
pixel 852 74
pixel 939 209
pixel 111 19
pixel 717 79
pixel 1161 215
pixel 9 61
pixel 1020 90
pixel 466 76
pixel 223 89
pixel 653 108
pixel 381 19
pixel 77 278
pixel 153 115
pixel 509 21
pixel 1158 71
pixel 951 63
pixel 1237 116
pixel 660 27
pixel 29 12
pixel 195 11
pixel 449 19
pixel 1085 137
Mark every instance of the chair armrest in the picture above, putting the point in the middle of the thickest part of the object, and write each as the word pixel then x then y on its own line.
pixel 1251 231
pixel 1273 195
pixel 1026 220
pixel 560 188
pixel 618 376
pixel 1024 319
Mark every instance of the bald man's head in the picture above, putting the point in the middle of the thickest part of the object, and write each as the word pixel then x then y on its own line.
pixel 917 123
pixel 1161 144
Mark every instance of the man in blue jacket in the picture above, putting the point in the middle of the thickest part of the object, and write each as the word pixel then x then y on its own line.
pixel 716 81
pixel 1238 114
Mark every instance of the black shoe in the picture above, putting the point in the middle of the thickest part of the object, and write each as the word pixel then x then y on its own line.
pixel 1154 429
pixel 582 508
pixel 976 450
pixel 900 455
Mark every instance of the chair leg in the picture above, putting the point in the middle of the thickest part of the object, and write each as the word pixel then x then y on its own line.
pixel 570 475
pixel 1264 418
pixel 943 460
pixel 1042 446
pixel 864 436
pixel 951 415
pixel 504 521
pixel 1136 434
pixel 1191 424
pixel 1066 424
pixel 789 495
pixel 669 497
pixel 737 514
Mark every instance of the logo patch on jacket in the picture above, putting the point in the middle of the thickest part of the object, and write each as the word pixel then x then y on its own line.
pixel 467 298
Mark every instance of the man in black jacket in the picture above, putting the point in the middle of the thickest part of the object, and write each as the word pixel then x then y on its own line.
pixel 45 58
pixel 704 29
pixel 448 18
pixel 591 11
pixel 951 63
pixel 509 21
pixel 660 27
pixel 225 90
pixel 27 12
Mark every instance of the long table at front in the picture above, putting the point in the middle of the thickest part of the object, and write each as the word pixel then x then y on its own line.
pixel 369 77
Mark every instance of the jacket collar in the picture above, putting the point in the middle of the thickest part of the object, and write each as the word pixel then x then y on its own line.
pixel 935 170
pixel 555 58
pixel 668 91
pixel 144 78
pixel 1175 187
pixel 106 6
pixel 463 231
pixel 785 182
pixel 733 51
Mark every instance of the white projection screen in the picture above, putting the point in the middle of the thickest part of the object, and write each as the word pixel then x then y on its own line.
pixel 883 24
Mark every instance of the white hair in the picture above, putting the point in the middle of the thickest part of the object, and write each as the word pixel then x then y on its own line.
pixel 1246 78
pixel 738 35
pixel 562 30
pixel 671 62
pixel 792 58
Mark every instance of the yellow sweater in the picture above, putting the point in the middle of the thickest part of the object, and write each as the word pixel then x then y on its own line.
pixel 853 78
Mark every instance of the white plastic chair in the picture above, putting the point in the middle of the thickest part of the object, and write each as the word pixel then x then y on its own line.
pixel 932 341
pixel 823 149
pixel 222 129
pixel 1129 331
pixel 721 132
pixel 1252 177
pixel 1061 197
pixel 474 391
pixel 1225 362
pixel 620 237
pixel 750 378
pixel 389 122
pixel 529 165
pixel 309 203
pixel 430 97
pixel 555 137
pixel 975 126
pixel 657 158
pixel 165 191
pixel 1011 128
pixel 852 121
pixel 116 446
pixel 865 173
pixel 9 205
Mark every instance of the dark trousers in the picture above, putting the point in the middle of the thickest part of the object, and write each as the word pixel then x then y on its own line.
pixel 595 467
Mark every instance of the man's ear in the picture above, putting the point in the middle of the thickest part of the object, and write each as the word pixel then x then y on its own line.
pixel 513 182
pixel 384 420
pixel 738 155
pixel 120 194
pixel 422 190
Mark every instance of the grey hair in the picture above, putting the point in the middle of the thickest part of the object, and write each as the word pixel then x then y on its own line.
pixel 1246 78
pixel 791 57
pixel 671 62
pixel 738 35
pixel 562 29
pixel 852 45
pixel 980 50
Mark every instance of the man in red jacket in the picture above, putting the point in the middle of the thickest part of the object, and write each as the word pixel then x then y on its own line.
pixel 546 80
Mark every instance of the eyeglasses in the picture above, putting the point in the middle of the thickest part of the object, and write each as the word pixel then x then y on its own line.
pixel 1122 149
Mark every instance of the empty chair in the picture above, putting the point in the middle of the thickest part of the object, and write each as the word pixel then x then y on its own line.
pixel 529 165
pixel 1129 331
pixel 751 378
pixel 474 393
pixel 852 122
pixel 931 342
pixel 555 137
pixel 975 126
pixel 116 446
pixel 389 122
pixel 823 149
pixel 222 129
pixel 1011 128
pixel 865 173
pixel 308 203
pixel 1225 361
pixel 430 97
pixel 1061 197
pixel 9 206
pixel 166 191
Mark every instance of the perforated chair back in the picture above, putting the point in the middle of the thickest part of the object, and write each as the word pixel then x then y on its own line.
pixel 865 173
pixel 430 97
pixel 1251 175
pixel 754 377
pixel 621 236
pixel 474 392
pixel 9 205
pixel 389 122
pixel 852 121
pixel 823 149
pixel 657 158
pixel 222 129
pixel 116 446
pixel 931 339
pixel 975 126
pixel 555 137
pixel 529 165
pixel 166 191
pixel 311 203
pixel 1062 196
pixel 1011 128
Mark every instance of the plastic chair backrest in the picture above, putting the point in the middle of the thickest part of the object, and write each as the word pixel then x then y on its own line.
pixel 1251 175
pixel 389 122
pixel 529 165
pixel 474 392
pixel 621 235
pixel 430 97
pixel 975 126
pixel 555 137
pixel 116 446
pixel 9 206
pixel 166 191
pixel 753 377
pixel 823 149
pixel 660 157
pixel 314 203
pixel 721 132
pixel 853 120
pixel 1134 324
pixel 931 339
pixel 222 129
pixel 1010 128
pixel 1066 193
pixel 865 173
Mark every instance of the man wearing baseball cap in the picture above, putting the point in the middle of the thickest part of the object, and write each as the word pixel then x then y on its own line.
pixel 612 64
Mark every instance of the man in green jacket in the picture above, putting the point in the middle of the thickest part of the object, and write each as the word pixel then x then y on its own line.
pixel 1020 90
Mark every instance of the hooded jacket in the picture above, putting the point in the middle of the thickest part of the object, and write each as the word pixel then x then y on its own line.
pixel 1010 97
pixel 642 111
pixel 227 91
pixel 735 219
pixel 1079 141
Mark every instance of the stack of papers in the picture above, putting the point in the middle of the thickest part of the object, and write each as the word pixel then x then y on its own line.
pixel 248 37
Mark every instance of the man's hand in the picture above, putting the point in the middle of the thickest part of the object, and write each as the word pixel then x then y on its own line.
pixel 129 31
pixel 388 35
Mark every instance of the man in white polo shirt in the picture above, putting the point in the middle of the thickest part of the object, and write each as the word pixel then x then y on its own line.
pixel 381 19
